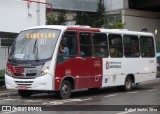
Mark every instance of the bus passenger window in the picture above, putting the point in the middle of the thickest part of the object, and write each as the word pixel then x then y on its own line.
pixel 100 45
pixel 131 46
pixel 147 46
pixel 68 46
pixel 85 44
pixel 115 45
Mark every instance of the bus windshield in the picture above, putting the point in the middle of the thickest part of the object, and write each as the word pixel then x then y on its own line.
pixel 34 44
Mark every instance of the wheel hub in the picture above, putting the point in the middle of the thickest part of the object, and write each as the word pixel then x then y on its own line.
pixel 65 89
pixel 128 84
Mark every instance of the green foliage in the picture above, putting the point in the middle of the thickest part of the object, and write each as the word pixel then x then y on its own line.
pixel 96 20
pixel 117 24
pixel 100 10
pixel 61 18
pixel 2 72
pixel 83 18
pixel 56 20
pixel 51 20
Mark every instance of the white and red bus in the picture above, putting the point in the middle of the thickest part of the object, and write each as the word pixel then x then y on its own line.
pixel 66 58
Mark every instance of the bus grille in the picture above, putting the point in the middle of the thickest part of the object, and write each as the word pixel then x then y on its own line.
pixel 27 75
pixel 24 83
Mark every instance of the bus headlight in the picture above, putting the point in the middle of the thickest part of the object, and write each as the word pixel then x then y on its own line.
pixel 45 68
pixel 44 72
pixel 8 72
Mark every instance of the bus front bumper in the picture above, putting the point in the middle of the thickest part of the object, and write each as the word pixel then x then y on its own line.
pixel 39 83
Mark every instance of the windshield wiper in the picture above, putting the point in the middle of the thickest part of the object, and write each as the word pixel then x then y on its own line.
pixel 35 51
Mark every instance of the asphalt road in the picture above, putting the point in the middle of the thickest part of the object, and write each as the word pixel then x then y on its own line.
pixel 144 94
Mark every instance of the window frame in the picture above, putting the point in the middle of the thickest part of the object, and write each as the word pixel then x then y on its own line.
pixel 106 46
pixel 91 44
pixel 139 52
pixel 110 46
pixel 76 42
pixel 61 58
pixel 153 42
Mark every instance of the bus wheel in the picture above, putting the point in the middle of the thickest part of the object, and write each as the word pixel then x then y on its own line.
pixel 65 89
pixel 25 93
pixel 128 84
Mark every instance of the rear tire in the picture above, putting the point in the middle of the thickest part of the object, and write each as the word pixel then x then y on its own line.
pixel 128 84
pixel 65 89
pixel 24 93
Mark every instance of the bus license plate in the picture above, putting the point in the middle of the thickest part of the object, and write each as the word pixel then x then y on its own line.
pixel 30 70
pixel 22 87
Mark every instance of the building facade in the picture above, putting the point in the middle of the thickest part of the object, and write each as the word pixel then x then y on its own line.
pixel 74 5
pixel 136 15
pixel 15 16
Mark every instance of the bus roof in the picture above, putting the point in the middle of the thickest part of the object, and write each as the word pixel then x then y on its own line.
pixel 49 27
pixel 124 31
pixel 83 28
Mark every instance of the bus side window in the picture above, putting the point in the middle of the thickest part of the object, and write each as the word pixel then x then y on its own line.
pixel 85 44
pixel 147 46
pixel 131 46
pixel 100 45
pixel 115 45
pixel 68 46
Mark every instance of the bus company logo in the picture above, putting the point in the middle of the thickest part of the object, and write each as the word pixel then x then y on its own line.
pixel 6 108
pixel 68 72
pixel 97 64
pixel 113 64
pixel 107 65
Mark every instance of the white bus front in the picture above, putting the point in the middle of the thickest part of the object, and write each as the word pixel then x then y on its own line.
pixel 30 59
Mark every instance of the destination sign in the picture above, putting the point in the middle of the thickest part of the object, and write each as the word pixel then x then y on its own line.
pixel 40 35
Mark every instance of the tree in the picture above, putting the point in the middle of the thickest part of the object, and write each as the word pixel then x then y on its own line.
pixel 117 24
pixel 61 18
pixel 51 20
pixel 56 20
pixel 82 18
pixel 93 20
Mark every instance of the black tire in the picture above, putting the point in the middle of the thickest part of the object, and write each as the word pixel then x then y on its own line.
pixel 128 84
pixel 65 89
pixel 2 83
pixel 25 93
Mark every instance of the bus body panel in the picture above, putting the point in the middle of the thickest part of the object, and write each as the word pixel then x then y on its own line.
pixel 86 72
pixel 115 70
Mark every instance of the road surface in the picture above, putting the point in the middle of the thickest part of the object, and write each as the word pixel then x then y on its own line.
pixel 144 94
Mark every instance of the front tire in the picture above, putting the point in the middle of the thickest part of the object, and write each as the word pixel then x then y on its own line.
pixel 128 84
pixel 65 89
pixel 25 93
